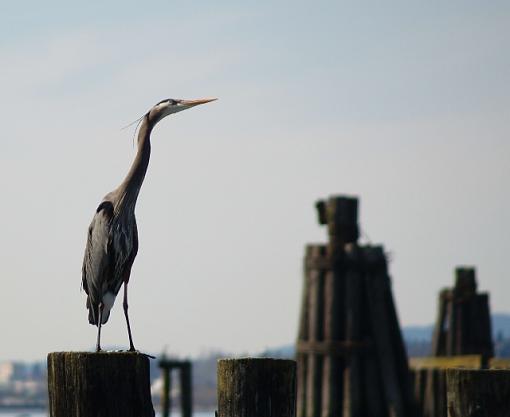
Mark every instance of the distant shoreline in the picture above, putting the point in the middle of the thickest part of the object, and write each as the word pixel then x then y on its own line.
pixel 21 407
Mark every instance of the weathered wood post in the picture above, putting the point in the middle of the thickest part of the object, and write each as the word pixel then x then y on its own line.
pixel 315 332
pixel 166 404
pixel 184 368
pixel 256 387
pixel 462 331
pixel 340 215
pixel 478 393
pixel 186 390
pixel 303 335
pixel 463 325
pixel 351 356
pixel 105 384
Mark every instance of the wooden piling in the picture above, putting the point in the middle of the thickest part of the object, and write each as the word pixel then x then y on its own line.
pixel 354 334
pixel 439 335
pixel 420 381
pixel 463 325
pixel 166 401
pixel 184 369
pixel 378 291
pixel 316 260
pixel 186 390
pixel 435 393
pixel 351 357
pixel 309 264
pixel 478 393
pixel 331 383
pixel 341 216
pixel 430 380
pixel 342 220
pixel 256 387
pixel 110 384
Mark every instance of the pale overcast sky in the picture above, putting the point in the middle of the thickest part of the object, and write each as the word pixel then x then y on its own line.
pixel 405 104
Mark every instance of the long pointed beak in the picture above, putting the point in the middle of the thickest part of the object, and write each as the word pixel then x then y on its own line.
pixel 192 103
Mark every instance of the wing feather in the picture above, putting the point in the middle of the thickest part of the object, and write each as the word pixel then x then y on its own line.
pixel 96 261
pixel 111 248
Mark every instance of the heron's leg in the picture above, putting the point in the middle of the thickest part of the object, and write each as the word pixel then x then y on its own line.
pixel 125 305
pixel 98 344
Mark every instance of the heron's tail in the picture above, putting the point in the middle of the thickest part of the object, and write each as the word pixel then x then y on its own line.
pixel 94 313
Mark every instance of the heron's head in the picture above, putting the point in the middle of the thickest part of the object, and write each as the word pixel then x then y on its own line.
pixel 170 106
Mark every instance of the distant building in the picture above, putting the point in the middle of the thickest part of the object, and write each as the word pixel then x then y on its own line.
pixel 6 371
pixel 11 372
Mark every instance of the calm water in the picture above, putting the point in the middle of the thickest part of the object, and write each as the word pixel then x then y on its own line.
pixel 30 413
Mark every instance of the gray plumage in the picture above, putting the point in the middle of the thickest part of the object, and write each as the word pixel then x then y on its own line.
pixel 112 245
pixel 112 241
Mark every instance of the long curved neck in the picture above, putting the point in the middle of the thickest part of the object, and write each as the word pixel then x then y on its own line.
pixel 129 188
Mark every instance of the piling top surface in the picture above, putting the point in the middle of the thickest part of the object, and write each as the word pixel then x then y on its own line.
pixel 254 358
pixel 475 371
pixel 257 360
pixel 123 353
pixel 120 358
pixel 255 368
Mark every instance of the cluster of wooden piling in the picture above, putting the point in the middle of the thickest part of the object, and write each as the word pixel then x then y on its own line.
pixel 266 387
pixel 463 323
pixel 184 369
pixel 461 339
pixel 351 360
pixel 350 353
pixel 436 390
pixel 429 375
pixel 116 385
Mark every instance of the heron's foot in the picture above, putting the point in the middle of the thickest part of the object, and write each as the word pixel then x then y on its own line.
pixel 98 349
pixel 132 349
pixel 149 356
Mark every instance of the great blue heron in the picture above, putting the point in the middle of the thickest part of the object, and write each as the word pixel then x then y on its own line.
pixel 112 242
